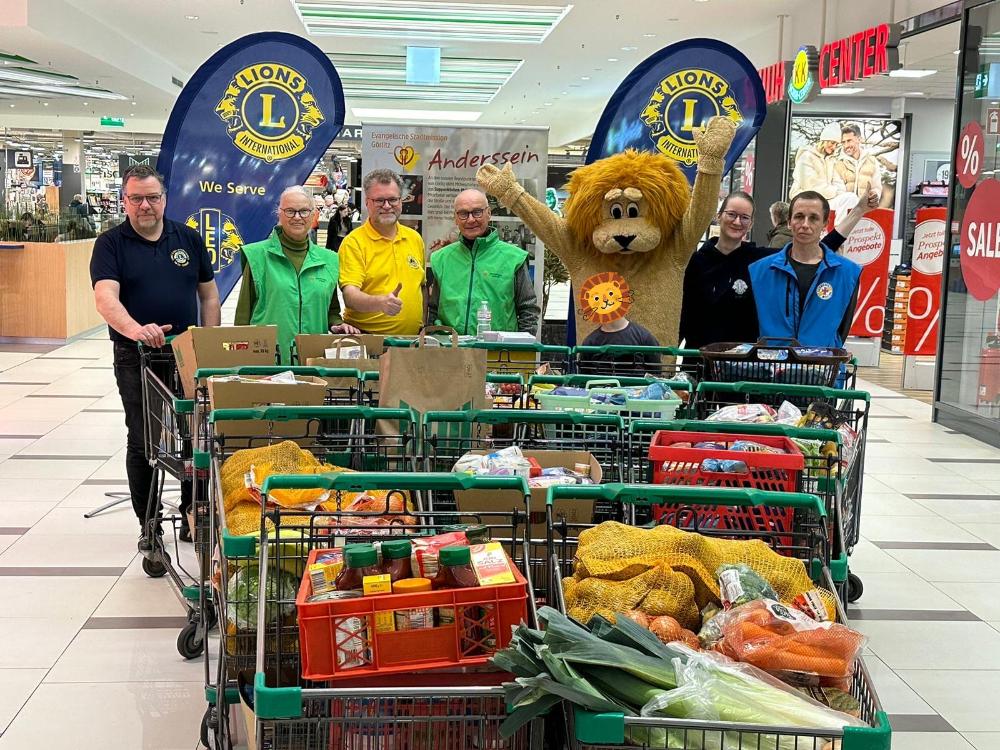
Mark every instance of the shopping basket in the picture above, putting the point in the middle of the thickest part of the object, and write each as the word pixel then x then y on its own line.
pixel 587 730
pixel 778 360
pixel 427 705
pixel 662 362
pixel 608 396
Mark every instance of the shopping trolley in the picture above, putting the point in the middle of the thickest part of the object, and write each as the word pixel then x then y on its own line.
pixel 390 693
pixel 779 360
pixel 662 362
pixel 504 390
pixel 842 478
pixel 587 730
pixel 605 395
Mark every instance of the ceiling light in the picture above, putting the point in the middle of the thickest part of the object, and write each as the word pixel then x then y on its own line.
pixel 24 75
pixel 563 93
pixel 913 93
pixel 402 115
pixel 85 104
pixel 612 59
pixel 840 91
pixel 45 104
pixel 12 106
pixel 131 114
pixel 548 104
pixel 191 18
pixel 649 36
pixel 629 49
pixel 428 19
pixel 910 73
pixel 77 91
pixel 584 78
pixel 956 52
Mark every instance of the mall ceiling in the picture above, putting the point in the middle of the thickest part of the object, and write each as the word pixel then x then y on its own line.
pixel 558 70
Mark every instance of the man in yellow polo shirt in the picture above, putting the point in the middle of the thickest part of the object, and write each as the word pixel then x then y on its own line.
pixel 382 264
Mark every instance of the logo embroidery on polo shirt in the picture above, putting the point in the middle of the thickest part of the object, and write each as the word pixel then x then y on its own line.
pixel 412 262
pixel 740 287
pixel 824 291
pixel 180 257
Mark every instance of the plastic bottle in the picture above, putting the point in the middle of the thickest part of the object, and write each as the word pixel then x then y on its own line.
pixel 417 618
pixel 396 559
pixel 454 572
pixel 484 319
pixel 359 561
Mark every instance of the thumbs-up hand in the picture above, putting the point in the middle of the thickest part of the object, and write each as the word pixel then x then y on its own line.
pixel 391 304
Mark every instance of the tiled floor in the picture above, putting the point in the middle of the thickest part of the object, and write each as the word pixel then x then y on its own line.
pixel 77 669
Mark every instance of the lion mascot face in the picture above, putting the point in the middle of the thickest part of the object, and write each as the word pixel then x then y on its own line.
pixel 627 203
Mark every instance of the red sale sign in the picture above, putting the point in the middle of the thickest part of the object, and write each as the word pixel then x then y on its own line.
pixel 868 246
pixel 923 309
pixel 980 241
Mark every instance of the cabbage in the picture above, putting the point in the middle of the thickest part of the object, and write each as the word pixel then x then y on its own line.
pixel 243 590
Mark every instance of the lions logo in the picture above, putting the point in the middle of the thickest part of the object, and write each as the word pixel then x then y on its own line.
pixel 180 257
pixel 222 238
pixel 412 262
pixel 605 297
pixel 269 111
pixel 681 102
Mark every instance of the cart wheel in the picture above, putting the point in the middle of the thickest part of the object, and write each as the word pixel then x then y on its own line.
pixel 855 588
pixel 210 616
pixel 189 642
pixel 154 568
pixel 208 726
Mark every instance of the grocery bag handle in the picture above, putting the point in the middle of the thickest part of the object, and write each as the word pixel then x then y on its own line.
pixel 437 329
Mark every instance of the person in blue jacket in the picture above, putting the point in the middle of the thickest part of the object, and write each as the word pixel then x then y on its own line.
pixel 806 291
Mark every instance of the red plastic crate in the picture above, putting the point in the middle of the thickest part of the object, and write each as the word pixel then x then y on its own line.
pixel 775 472
pixel 338 639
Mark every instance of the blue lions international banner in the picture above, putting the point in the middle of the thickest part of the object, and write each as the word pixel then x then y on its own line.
pixel 254 119
pixel 675 90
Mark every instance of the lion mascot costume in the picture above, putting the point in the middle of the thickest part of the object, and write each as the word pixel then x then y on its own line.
pixel 631 224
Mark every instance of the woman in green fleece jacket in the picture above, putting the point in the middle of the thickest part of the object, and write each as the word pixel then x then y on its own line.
pixel 289 281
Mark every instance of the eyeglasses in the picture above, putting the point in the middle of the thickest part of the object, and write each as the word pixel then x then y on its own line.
pixel 735 217
pixel 136 200
pixel 385 201
pixel 302 213
pixel 476 213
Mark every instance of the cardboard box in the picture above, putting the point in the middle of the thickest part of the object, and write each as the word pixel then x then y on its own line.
pixel 230 346
pixel 223 394
pixel 574 511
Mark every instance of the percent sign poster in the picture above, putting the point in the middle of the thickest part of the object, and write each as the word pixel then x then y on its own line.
pixel 923 309
pixel 868 246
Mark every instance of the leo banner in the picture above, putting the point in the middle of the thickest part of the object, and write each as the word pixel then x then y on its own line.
pixel 675 90
pixel 254 119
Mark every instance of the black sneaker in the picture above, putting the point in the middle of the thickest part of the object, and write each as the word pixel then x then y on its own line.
pixel 185 532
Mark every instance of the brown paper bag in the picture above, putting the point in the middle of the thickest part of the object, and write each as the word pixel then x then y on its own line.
pixel 432 378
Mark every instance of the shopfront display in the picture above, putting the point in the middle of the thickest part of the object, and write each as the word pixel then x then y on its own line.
pixel 968 380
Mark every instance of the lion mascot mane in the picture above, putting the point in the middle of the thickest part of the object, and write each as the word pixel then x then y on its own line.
pixel 631 214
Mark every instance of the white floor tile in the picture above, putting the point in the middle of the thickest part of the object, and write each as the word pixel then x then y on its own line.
pixel 891 504
pixel 148 655
pixel 867 558
pixel 37 489
pixel 929 741
pixel 895 695
pixel 902 591
pixel 25 514
pixel 13 359
pixel 70 550
pixel 982 599
pixel 88 496
pixel 53 597
pixel 141 597
pixel 967 702
pixel 10 446
pixel 965 512
pixel 913 466
pixel 956 645
pixel 35 643
pixel 988 532
pixel 942 482
pixel 983 740
pixel 96 716
pixel 42 468
pixel 16 685
pixel 914 529
pixel 950 565
pixel 39 426
pixel 976 472
pixel 81 445
pixel 120 520
pixel 45 408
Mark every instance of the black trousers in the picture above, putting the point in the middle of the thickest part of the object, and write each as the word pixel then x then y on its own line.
pixel 128 374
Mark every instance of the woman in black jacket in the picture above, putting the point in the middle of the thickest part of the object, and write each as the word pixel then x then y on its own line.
pixel 339 226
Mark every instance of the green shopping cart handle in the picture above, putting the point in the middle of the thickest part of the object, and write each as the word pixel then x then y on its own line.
pixel 503 378
pixel 814 391
pixel 286 413
pixel 582 381
pixel 523 416
pixel 742 428
pixel 522 346
pixel 319 372
pixel 622 349
pixel 360 481
pixel 652 494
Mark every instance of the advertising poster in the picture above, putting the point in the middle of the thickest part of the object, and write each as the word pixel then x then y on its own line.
pixel 923 308
pixel 868 246
pixel 254 119
pixel 843 158
pixel 436 163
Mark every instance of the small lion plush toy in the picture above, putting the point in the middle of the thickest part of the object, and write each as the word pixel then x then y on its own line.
pixel 631 224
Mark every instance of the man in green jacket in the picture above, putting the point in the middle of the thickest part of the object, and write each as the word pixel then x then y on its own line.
pixel 479 267
pixel 289 281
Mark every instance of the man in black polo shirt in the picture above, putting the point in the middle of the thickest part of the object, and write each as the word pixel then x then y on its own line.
pixel 150 275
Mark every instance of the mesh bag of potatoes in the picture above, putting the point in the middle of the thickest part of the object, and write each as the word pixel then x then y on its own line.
pixel 667 571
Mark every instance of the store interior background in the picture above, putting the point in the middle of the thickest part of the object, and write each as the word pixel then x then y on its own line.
pixel 140 56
